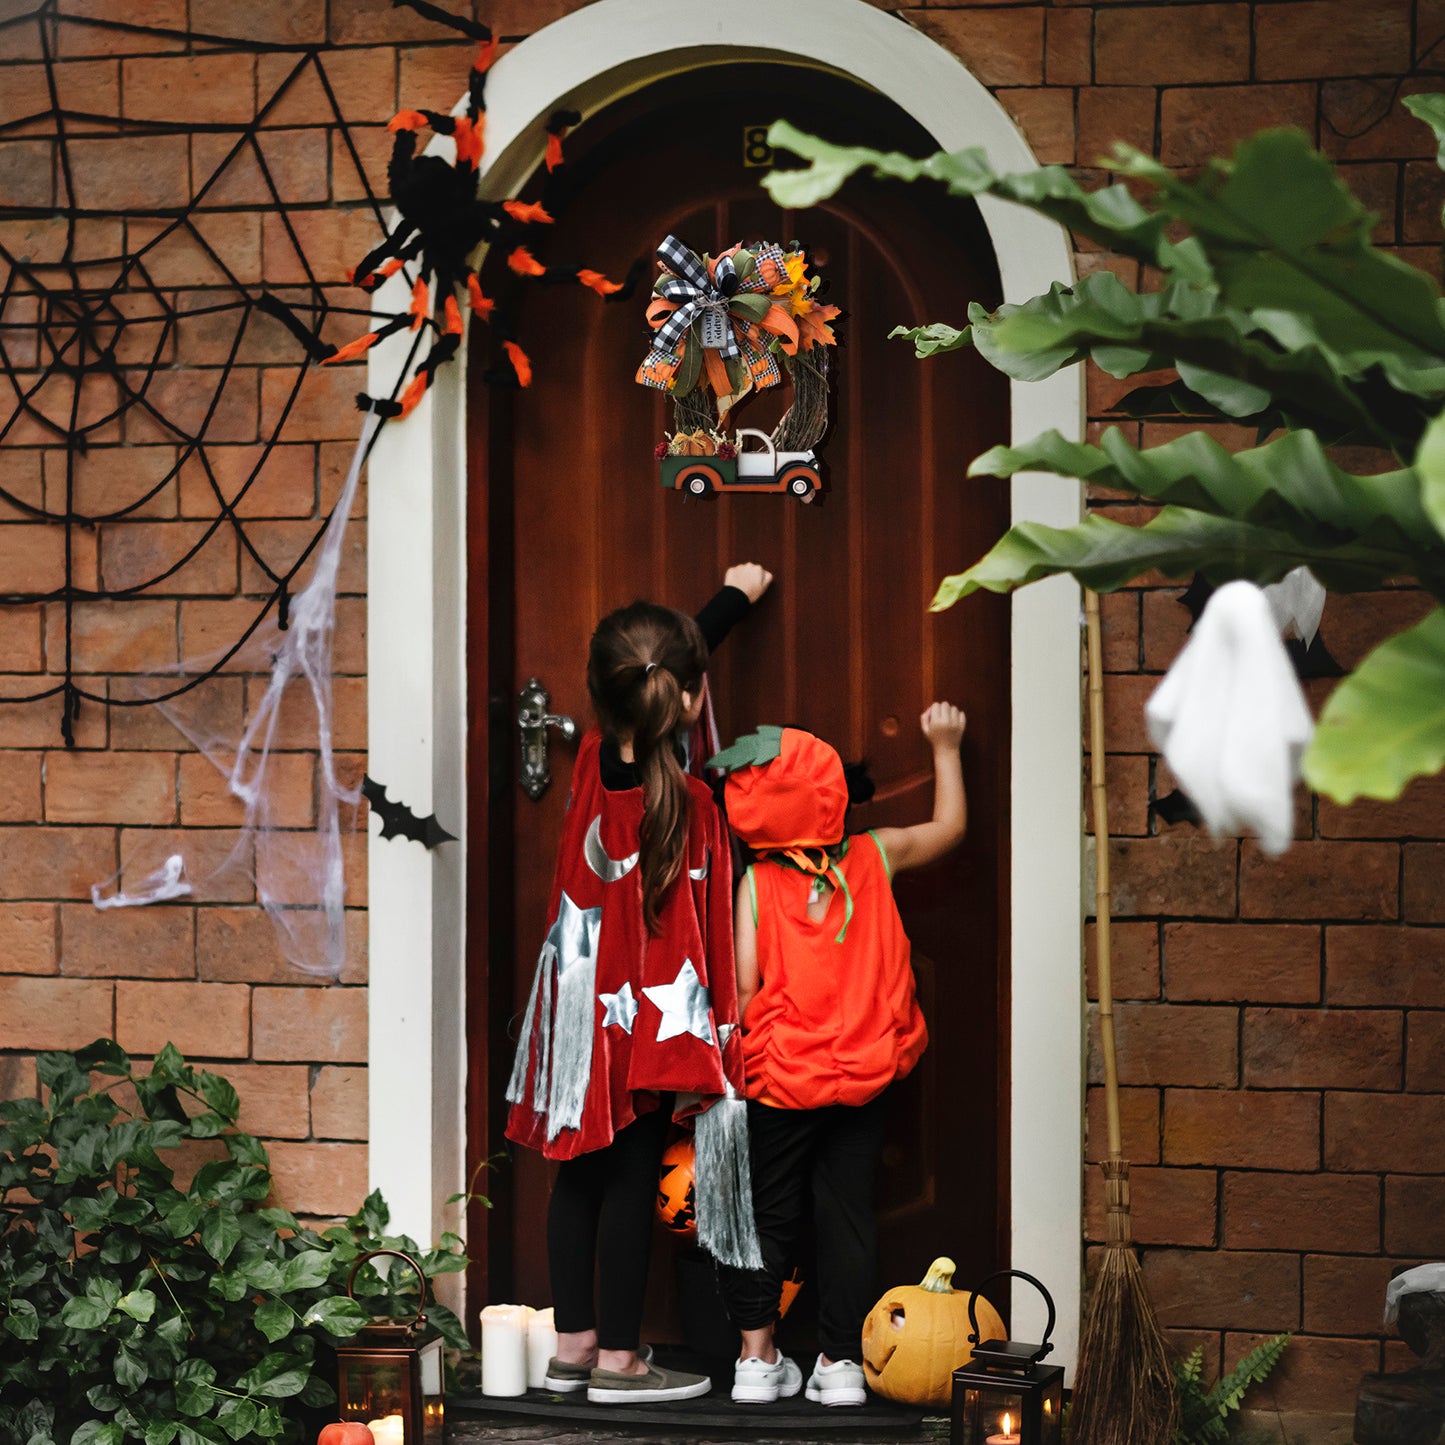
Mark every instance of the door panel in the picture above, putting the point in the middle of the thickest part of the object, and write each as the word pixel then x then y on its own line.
pixel 568 522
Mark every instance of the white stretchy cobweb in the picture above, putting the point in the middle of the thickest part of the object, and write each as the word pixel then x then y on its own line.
pixel 299 873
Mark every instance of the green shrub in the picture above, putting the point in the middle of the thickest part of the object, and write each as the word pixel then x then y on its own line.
pixel 136 1309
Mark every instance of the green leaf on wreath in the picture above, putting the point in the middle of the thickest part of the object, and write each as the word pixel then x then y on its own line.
pixel 1384 724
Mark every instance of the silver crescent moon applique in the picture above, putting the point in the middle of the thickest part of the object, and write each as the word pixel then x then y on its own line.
pixel 609 870
pixel 698 874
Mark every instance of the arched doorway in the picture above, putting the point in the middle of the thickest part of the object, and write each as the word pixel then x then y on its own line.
pixel 417 623
pixel 568 521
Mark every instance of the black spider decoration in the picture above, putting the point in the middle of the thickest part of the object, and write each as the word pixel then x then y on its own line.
pixel 443 222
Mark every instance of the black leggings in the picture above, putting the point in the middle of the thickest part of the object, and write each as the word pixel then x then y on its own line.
pixel 600 1220
pixel 826 1159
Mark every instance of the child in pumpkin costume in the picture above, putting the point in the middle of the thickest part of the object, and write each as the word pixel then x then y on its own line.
pixel 825 990
pixel 631 1019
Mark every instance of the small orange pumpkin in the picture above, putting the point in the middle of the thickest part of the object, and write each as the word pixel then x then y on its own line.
pixel 916 1336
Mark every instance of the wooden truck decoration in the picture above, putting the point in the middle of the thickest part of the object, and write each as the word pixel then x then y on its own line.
pixel 740 469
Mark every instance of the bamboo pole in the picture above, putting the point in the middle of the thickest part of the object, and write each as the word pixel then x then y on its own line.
pixel 1124 1389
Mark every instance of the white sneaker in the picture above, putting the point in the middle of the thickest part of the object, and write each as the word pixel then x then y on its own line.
pixel 840 1383
pixel 755 1382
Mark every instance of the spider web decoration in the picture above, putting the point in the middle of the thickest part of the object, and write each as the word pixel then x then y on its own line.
pixel 134 323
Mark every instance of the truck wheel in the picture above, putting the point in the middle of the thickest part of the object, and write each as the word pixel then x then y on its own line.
pixel 801 482
pixel 697 484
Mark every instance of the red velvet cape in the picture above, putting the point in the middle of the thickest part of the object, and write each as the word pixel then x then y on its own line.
pixel 684 1037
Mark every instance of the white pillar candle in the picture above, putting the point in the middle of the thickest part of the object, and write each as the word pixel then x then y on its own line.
pixel 389 1430
pixel 541 1346
pixel 504 1350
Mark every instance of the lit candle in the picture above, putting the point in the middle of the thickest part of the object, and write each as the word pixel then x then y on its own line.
pixel 504 1350
pixel 541 1346
pixel 1008 1437
pixel 389 1430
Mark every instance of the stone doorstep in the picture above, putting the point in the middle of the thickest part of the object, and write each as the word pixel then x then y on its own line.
pixel 1293 1427
pixel 1254 1427
pixel 517 1430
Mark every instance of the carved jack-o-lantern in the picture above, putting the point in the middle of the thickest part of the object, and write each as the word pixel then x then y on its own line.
pixel 917 1335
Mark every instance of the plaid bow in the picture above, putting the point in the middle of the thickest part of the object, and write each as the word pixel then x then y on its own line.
pixel 692 290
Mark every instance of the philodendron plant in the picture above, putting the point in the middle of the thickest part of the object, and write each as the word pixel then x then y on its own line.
pixel 1274 311
pixel 140 1305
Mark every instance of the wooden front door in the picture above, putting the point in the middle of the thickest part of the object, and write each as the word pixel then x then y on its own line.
pixel 568 521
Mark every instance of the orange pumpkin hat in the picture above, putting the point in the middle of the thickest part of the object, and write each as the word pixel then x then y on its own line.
pixel 786 792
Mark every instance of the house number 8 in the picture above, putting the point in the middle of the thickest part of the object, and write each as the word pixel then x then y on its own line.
pixel 756 150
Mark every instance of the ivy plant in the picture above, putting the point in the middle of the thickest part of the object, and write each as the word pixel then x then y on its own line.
pixel 1273 310
pixel 143 1298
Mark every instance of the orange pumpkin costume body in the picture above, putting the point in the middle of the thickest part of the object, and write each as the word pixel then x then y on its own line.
pixel 835 1020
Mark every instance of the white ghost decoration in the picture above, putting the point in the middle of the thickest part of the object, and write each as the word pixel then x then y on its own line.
pixel 1231 720
pixel 1298 603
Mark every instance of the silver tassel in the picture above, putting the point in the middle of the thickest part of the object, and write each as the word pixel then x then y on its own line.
pixel 517 1084
pixel 544 1035
pixel 725 1224
pixel 572 1043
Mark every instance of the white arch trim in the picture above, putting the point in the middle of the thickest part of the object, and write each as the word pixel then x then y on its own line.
pixel 417 627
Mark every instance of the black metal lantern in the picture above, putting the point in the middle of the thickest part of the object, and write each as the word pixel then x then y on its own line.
pixel 390 1375
pixel 1004 1396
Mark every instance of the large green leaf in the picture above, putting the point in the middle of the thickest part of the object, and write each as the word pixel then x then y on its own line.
pixel 1110 215
pixel 927 341
pixel 1430 109
pixel 1106 555
pixel 1430 464
pixel 1385 723
pixel 1288 483
pixel 1288 242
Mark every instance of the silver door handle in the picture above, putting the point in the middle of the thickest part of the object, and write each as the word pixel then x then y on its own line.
pixel 533 720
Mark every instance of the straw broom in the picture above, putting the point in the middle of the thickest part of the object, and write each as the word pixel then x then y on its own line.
pixel 1124 1388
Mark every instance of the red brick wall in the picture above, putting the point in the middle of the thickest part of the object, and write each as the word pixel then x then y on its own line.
pixel 1281 1020
pixel 207 974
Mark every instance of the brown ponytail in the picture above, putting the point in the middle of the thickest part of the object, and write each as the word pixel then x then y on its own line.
pixel 642 659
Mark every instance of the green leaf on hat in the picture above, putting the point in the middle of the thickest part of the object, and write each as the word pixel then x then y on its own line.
pixel 751 750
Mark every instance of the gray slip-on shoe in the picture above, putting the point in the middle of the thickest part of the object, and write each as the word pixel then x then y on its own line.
pixel 565 1379
pixel 608 1387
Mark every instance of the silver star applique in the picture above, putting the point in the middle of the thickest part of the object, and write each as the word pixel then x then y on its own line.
pixel 684 1004
pixel 725 1032
pixel 621 1008
pixel 573 936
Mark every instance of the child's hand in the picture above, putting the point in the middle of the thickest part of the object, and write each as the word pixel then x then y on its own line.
pixel 751 579
pixel 943 725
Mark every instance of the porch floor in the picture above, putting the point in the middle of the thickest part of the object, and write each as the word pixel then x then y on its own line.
pixel 1254 1428
pixel 501 1429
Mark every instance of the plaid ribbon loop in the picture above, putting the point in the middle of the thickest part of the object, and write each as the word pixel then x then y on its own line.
pixel 693 291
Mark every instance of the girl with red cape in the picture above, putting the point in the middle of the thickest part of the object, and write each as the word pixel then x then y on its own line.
pixel 632 1017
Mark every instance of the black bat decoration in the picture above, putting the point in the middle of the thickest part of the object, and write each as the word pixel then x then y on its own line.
pixel 1176 807
pixel 1314 660
pixel 1195 596
pixel 398 821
